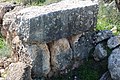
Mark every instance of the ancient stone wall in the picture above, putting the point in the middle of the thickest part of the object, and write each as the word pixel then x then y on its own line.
pixel 51 38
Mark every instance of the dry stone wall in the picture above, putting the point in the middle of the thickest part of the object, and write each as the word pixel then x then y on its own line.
pixel 51 38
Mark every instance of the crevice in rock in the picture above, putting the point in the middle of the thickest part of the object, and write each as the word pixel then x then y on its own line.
pixel 116 47
pixel 95 42
pixel 105 40
pixel 49 46
pixel 72 42
pixel 69 39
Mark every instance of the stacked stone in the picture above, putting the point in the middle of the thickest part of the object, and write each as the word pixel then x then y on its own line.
pixel 108 45
pixel 50 38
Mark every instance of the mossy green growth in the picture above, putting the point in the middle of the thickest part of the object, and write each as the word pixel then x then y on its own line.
pixel 86 72
pixel 5 50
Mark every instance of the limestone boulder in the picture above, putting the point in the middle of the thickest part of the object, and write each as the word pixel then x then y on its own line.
pixel 100 52
pixel 61 54
pixel 36 55
pixel 114 64
pixel 19 71
pixel 81 45
pixel 40 57
pixel 113 42
pixel 102 35
pixel 55 21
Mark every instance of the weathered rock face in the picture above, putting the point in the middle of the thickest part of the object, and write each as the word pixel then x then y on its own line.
pixel 61 54
pixel 9 19
pixel 19 71
pixel 37 55
pixel 5 7
pixel 103 35
pixel 114 64
pixel 81 45
pixel 40 56
pixel 113 42
pixel 100 52
pixel 55 21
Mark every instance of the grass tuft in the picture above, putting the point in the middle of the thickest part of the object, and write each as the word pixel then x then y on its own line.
pixel 4 48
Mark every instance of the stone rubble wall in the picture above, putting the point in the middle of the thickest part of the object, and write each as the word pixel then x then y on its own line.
pixel 51 38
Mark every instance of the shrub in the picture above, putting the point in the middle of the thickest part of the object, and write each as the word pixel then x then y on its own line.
pixel 108 17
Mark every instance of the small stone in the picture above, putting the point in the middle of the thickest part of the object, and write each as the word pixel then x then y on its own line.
pixel 2 78
pixel 1 63
pixel 16 40
pixel 103 35
pixel 99 52
pixel 4 58
pixel 75 77
pixel 19 71
pixel 9 60
pixel 6 64
pixel 114 64
pixel 2 71
pixel 113 42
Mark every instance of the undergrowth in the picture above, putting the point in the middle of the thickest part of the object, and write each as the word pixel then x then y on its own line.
pixel 4 48
pixel 108 18
pixel 89 70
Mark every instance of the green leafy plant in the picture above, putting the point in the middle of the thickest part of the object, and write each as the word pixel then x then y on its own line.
pixel 108 18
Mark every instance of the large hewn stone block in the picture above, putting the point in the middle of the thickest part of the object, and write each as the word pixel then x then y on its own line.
pixel 61 54
pixel 37 55
pixel 55 21
pixel 40 57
